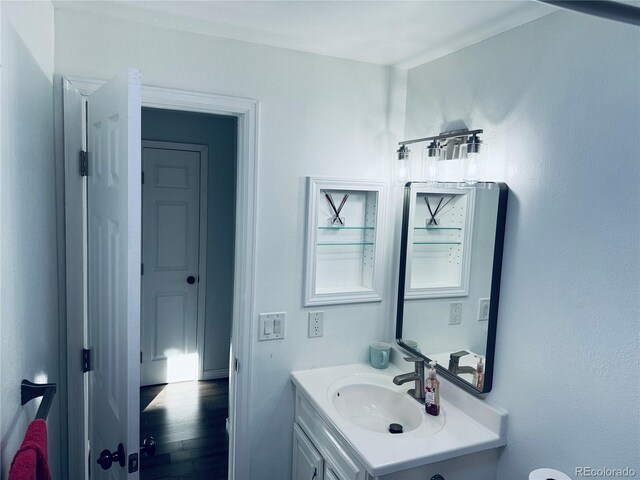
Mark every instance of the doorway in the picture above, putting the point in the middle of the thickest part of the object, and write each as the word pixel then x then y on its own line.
pixel 76 94
pixel 212 141
pixel 189 164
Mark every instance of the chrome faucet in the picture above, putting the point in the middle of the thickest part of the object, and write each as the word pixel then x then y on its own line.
pixel 454 363
pixel 417 375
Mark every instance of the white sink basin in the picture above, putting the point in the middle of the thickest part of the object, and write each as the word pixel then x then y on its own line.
pixel 375 408
pixel 371 402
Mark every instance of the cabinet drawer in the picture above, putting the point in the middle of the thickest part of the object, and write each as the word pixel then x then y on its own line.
pixel 336 456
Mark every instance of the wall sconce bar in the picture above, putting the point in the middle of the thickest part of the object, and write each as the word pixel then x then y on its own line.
pixel 462 145
pixel 443 135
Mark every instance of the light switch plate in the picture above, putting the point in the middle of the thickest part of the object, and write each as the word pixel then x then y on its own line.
pixel 271 326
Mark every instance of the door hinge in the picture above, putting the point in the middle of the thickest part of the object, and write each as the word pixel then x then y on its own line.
pixel 84 163
pixel 86 360
pixel 237 365
pixel 142 269
pixel 143 178
pixel 140 356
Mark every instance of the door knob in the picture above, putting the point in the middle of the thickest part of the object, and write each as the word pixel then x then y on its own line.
pixel 148 447
pixel 107 458
pixel 191 279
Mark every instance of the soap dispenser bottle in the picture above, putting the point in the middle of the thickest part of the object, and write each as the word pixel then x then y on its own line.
pixel 432 391
pixel 478 376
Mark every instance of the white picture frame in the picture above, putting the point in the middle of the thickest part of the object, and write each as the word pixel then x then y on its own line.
pixel 439 256
pixel 344 252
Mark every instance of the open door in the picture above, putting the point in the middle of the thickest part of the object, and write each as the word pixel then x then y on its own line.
pixel 113 271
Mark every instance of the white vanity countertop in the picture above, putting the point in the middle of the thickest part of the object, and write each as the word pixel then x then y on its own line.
pixel 470 424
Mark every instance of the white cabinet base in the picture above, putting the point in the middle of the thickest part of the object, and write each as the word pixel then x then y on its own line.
pixel 320 453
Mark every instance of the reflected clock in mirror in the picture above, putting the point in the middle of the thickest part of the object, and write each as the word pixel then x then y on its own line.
pixel 449 283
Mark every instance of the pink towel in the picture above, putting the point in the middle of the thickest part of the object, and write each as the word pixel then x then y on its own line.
pixel 31 460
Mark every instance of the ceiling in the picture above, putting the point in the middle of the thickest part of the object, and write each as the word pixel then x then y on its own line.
pixel 398 33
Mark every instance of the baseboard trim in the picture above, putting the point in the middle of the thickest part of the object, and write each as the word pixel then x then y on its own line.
pixel 215 374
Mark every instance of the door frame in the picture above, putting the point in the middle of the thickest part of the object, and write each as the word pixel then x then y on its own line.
pixel 203 150
pixel 246 111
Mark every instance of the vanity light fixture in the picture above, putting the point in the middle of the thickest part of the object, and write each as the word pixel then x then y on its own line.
pixel 430 158
pixel 472 154
pixel 402 171
pixel 463 145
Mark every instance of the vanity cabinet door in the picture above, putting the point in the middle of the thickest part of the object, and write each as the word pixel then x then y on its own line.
pixel 329 474
pixel 335 455
pixel 307 462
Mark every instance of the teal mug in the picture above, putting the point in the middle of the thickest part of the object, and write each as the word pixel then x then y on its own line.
pixel 379 354
pixel 412 344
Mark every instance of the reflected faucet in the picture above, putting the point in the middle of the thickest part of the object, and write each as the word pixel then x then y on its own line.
pixel 417 375
pixel 454 363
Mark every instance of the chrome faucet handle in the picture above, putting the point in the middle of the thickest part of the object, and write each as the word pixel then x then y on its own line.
pixel 418 376
pixel 419 366
pixel 414 359
pixel 454 360
pixel 459 354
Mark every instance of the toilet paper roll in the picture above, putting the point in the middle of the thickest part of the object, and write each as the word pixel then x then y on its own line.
pixel 548 474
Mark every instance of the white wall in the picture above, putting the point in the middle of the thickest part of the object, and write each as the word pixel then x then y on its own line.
pixel 219 134
pixel 319 116
pixel 29 275
pixel 559 99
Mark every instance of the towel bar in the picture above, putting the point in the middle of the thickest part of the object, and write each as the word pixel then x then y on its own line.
pixel 30 390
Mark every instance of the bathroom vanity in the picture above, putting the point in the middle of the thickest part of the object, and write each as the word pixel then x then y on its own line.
pixel 342 415
pixel 449 283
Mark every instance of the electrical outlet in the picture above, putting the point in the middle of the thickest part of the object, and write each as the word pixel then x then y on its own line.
pixel 271 326
pixel 483 309
pixel 455 313
pixel 316 324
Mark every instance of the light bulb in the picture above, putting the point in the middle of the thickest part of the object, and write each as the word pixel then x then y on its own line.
pixel 402 172
pixel 471 169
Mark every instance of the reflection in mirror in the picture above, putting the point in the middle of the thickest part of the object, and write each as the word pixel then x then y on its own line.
pixel 450 262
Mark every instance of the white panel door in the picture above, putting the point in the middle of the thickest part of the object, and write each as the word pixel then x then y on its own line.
pixel 170 252
pixel 113 269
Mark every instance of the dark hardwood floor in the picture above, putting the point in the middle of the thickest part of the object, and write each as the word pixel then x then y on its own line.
pixel 187 419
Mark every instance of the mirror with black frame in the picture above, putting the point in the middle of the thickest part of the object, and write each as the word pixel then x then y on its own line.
pixel 449 282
